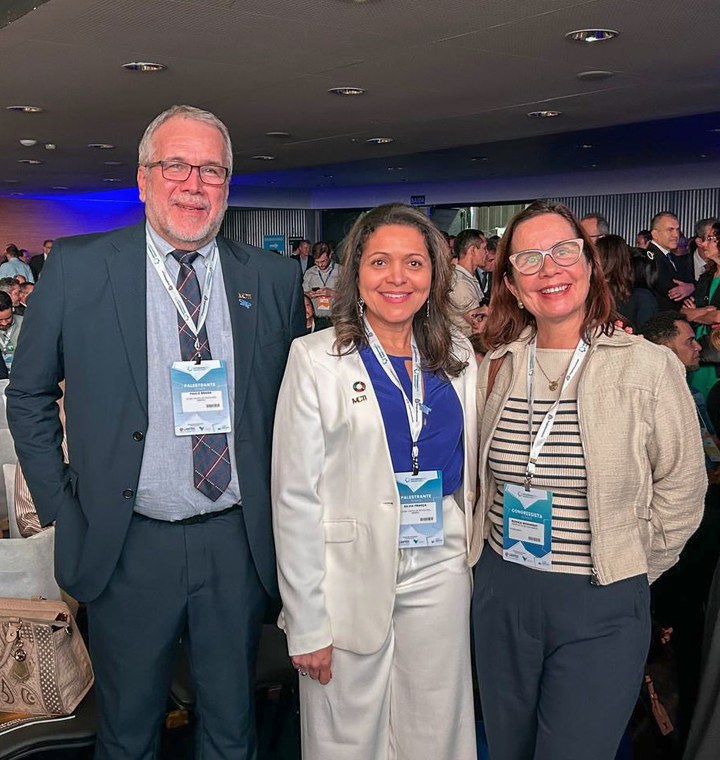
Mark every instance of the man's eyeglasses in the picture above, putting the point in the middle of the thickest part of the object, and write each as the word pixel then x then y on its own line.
pixel 177 171
pixel 564 254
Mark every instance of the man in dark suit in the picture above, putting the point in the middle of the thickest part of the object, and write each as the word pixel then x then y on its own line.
pixel 302 255
pixel 675 280
pixel 162 534
pixel 38 262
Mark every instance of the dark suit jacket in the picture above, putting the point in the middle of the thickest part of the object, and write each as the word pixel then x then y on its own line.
pixel 36 264
pixel 86 324
pixel 666 273
pixel 310 261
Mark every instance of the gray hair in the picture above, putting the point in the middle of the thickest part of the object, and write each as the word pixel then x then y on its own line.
pixel 701 224
pixel 185 112
pixel 603 227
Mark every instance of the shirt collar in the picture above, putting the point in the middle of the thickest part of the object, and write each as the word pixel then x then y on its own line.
pixel 166 249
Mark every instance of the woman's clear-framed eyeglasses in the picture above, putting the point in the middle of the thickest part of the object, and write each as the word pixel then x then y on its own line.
pixel 564 254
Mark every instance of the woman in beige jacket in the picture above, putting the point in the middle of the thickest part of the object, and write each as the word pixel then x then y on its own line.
pixel 592 479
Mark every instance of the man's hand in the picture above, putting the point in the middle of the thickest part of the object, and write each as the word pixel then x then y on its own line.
pixel 315 664
pixel 681 290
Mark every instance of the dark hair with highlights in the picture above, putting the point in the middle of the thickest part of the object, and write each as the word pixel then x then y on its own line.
pixel 506 321
pixel 432 332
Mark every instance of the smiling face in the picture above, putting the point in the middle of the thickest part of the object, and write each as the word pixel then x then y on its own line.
pixel 555 295
pixel 394 276
pixel 186 214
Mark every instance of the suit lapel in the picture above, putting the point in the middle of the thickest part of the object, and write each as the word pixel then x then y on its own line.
pixel 126 271
pixel 243 296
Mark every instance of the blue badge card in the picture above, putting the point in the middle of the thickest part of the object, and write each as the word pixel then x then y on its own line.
pixel 421 509
pixel 200 398
pixel 527 526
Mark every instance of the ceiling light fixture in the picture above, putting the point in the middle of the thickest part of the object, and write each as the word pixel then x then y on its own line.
pixel 262 157
pixel 591 35
pixel 144 67
pixel 32 161
pixel 277 134
pixel 595 75
pixel 346 91
pixel 27 143
pixel 111 179
pixel 113 163
pixel 544 114
pixel 24 109
pixel 585 146
pixel 479 158
pixel 50 146
pixel 11 181
pixel 60 187
pixel 101 146
pixel 379 140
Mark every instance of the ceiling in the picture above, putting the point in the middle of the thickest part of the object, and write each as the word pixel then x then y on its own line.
pixel 451 82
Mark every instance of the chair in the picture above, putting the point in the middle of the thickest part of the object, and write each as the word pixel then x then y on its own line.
pixel 32 739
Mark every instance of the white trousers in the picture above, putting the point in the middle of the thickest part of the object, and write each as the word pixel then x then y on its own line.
pixel 411 700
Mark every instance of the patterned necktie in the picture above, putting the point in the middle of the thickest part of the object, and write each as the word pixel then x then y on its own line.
pixel 211 456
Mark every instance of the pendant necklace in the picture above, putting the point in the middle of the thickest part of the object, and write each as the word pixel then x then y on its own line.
pixel 552 384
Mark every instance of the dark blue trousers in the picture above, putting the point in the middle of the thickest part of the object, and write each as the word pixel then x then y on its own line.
pixel 559 661
pixel 197 581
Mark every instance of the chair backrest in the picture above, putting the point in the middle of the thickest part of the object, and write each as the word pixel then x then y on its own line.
pixel 7 456
pixel 9 477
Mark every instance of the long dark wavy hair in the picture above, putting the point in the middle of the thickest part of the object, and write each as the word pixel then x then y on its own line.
pixel 432 331
pixel 506 321
pixel 616 258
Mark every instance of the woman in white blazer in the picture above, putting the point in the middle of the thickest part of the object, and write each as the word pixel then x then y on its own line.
pixel 374 468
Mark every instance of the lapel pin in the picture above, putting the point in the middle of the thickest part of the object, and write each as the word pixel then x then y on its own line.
pixel 359 386
pixel 245 300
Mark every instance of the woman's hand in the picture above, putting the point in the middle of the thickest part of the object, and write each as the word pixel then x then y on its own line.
pixel 315 664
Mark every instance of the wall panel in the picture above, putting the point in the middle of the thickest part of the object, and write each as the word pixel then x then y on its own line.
pixel 251 225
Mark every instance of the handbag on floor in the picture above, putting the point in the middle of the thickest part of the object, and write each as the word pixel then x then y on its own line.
pixel 44 666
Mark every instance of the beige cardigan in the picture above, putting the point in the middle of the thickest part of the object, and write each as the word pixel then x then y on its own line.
pixel 645 464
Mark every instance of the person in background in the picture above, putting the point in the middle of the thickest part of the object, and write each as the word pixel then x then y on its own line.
pixel 302 255
pixel 320 282
pixel 466 290
pixel 309 314
pixel 10 326
pixel 643 239
pixel 703 308
pixel 636 305
pixel 592 479
pixel 15 266
pixel 372 496
pixel 595 225
pixel 26 289
pixel 700 243
pixel 37 262
pixel 675 281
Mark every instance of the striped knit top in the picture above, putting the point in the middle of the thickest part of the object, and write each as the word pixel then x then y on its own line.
pixel 560 468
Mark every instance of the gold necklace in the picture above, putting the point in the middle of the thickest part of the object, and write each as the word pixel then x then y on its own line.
pixel 552 384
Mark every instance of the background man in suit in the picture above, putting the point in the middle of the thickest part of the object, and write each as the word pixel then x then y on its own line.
pixel 163 535
pixel 675 280
pixel 37 262
pixel 302 254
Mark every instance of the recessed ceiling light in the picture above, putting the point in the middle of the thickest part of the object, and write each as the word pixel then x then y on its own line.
pixel 595 75
pixel 479 158
pixel 11 181
pixel 32 161
pixel 327 176
pixel 144 67
pixel 544 114
pixel 716 129
pixel 585 146
pixel 60 187
pixel 113 163
pixel 262 157
pixel 395 168
pixel 50 146
pixel 277 134
pixel 101 146
pixel 346 91
pixel 591 35
pixel 28 143
pixel 24 109
pixel 379 140
pixel 111 179
pixel 703 155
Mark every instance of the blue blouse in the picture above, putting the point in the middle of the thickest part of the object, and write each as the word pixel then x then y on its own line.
pixel 441 439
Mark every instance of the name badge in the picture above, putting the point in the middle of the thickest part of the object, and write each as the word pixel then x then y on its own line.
pixel 527 526
pixel 421 509
pixel 201 403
